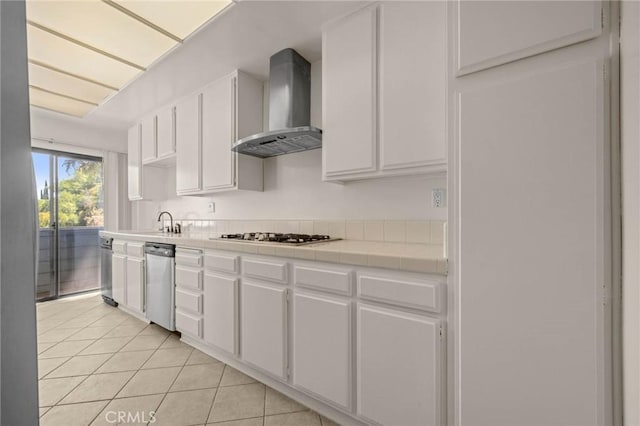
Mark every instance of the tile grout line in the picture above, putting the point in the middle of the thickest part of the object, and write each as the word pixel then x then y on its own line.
pixel 91 374
pixel 75 387
pixel 133 375
pixel 216 395
pixel 79 355
pixel 175 378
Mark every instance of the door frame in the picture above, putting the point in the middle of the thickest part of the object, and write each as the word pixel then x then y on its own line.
pixel 54 155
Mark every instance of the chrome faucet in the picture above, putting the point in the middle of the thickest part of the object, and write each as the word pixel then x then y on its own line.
pixel 171 229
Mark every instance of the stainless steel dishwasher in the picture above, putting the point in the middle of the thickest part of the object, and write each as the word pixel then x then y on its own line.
pixel 105 270
pixel 160 284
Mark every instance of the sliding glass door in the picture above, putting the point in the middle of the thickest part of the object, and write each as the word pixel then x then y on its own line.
pixel 70 215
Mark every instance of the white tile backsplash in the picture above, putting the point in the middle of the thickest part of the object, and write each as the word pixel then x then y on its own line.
pixel 337 229
pixel 394 232
pixel 321 227
pixel 306 227
pixel 437 232
pixel 355 230
pixel 374 230
pixel 418 232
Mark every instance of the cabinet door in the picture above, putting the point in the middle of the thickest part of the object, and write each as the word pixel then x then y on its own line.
pixel 135 284
pixel 547 126
pixel 349 91
pixel 148 139
pixel 413 84
pixel 322 347
pixel 119 278
pixel 264 327
pixel 220 312
pixel 497 32
pixel 188 162
pixel 134 166
pixel 166 132
pixel 398 367
pixel 218 135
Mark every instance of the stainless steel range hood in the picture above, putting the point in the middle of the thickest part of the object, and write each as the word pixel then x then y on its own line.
pixel 289 110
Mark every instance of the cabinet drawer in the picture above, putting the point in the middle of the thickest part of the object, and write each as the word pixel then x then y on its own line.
pixel 119 247
pixel 220 262
pixel 135 249
pixel 413 294
pixel 188 257
pixel 265 270
pixel 188 277
pixel 324 279
pixel 189 324
pixel 186 300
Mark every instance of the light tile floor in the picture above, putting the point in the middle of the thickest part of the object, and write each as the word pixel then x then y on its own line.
pixel 96 362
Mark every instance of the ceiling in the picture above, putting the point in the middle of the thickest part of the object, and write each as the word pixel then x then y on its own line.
pixel 81 53
pixel 243 37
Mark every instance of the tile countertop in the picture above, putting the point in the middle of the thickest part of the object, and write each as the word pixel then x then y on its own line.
pixel 427 258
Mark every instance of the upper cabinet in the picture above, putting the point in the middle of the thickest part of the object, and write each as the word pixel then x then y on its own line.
pixel 143 183
pixel 384 92
pixel 134 165
pixel 188 164
pixel 165 133
pixel 149 147
pixel 484 33
pixel 157 138
pixel 208 123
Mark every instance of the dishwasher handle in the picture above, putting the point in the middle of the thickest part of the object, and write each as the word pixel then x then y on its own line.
pixel 159 249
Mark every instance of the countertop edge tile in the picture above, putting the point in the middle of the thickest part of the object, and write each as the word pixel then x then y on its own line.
pixel 412 257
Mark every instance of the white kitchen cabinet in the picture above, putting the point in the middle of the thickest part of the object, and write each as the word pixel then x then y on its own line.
pixel 349 89
pixel 221 312
pixel 157 138
pixel 165 132
pixel 529 342
pixel 119 277
pixel 190 308
pixel 208 123
pixel 384 92
pixel 143 182
pixel 399 369
pixel 134 164
pixel 135 284
pixel 322 347
pixel 128 275
pixel 263 325
pixel 218 134
pixel 188 152
pixel 148 143
pixel 486 31
pixel 412 85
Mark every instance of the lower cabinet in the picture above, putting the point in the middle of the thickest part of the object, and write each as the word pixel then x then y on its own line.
pixel 189 294
pixel 127 271
pixel 119 277
pixel 398 367
pixel 263 331
pixel 220 307
pixel 322 347
pixel 135 284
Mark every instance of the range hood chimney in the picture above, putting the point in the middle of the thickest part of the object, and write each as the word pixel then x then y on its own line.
pixel 289 110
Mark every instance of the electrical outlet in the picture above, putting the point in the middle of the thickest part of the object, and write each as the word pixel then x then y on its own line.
pixel 211 207
pixel 439 197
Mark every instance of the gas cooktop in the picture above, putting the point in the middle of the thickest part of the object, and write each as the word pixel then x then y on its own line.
pixel 274 237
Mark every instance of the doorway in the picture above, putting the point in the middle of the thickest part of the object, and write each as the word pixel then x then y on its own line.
pixel 70 203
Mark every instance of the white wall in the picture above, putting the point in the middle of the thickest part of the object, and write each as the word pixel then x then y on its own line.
pixel 48 125
pixel 630 134
pixel 18 354
pixel 293 189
